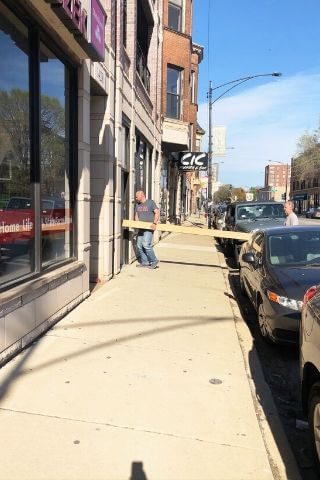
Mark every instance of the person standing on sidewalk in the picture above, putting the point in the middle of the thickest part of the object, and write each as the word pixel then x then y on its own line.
pixel 292 218
pixel 146 211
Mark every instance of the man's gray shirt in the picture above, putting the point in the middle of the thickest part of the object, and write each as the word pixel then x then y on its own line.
pixel 291 220
pixel 145 210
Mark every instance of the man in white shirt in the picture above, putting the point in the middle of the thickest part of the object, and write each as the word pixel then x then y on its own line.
pixel 292 218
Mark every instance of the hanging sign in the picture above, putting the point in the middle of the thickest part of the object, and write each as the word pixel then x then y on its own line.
pixel 86 20
pixel 193 161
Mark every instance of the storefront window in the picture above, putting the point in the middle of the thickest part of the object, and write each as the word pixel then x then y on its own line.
pixel 36 224
pixel 54 137
pixel 16 192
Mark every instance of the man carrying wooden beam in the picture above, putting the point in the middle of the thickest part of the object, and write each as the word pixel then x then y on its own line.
pixel 146 211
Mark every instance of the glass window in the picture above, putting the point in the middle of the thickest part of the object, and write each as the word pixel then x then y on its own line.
pixel 175 15
pixel 16 192
pixel 55 159
pixel 173 92
pixel 295 249
pixel 124 22
pixel 251 212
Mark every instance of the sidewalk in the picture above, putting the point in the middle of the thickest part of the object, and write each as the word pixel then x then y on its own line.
pixel 144 380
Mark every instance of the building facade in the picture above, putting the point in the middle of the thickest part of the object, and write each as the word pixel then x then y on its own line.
pixel 80 132
pixel 276 183
pixel 305 181
pixel 180 65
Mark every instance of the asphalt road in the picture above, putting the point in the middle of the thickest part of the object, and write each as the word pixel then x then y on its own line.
pixel 281 369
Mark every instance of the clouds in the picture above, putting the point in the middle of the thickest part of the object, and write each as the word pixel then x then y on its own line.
pixel 264 123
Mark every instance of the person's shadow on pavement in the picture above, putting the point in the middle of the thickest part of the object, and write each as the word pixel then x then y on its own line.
pixel 137 472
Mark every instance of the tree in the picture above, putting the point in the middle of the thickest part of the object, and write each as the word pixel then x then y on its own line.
pixel 223 194
pixel 238 194
pixel 306 166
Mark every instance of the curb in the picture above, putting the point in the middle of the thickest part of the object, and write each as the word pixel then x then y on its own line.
pixel 281 459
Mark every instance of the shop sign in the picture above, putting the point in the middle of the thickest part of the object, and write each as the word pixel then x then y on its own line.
pixel 301 196
pixel 86 20
pixel 193 161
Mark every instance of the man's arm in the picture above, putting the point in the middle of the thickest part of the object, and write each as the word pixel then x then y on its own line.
pixel 156 212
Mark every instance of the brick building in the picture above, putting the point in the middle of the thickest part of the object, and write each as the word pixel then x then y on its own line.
pixel 276 183
pixel 305 180
pixel 180 64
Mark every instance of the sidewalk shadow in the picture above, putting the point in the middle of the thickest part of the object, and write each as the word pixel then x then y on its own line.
pixel 193 264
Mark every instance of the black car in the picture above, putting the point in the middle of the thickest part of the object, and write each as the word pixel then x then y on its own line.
pixel 277 266
pixel 249 216
pixel 310 365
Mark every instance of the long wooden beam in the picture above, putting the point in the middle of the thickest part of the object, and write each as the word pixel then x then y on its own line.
pixel 167 227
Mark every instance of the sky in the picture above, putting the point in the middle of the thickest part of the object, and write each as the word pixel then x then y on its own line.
pixel 265 116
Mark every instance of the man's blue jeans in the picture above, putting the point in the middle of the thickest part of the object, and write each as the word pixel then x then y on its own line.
pixel 144 246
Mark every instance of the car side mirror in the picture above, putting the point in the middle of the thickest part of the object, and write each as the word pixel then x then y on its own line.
pixel 248 258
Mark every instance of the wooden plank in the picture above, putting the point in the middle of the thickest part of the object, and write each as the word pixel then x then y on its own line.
pixel 167 227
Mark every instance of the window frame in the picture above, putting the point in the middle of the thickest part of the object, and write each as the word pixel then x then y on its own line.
pixel 174 5
pixel 178 95
pixel 37 34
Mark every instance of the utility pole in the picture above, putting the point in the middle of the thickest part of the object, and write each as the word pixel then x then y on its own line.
pixel 210 144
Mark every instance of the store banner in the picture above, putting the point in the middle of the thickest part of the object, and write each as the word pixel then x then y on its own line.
pixel 219 140
pixel 86 19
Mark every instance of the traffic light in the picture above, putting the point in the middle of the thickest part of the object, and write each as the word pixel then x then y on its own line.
pixel 283 196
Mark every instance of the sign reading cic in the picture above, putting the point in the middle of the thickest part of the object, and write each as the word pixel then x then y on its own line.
pixel 193 161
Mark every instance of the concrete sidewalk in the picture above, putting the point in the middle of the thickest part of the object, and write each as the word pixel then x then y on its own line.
pixel 144 380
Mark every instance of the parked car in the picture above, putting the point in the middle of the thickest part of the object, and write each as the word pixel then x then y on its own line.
pixel 249 216
pixel 310 365
pixel 316 213
pixel 309 212
pixel 277 266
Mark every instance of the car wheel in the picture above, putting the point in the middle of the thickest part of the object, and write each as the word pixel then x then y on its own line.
pixel 242 286
pixel 314 421
pixel 263 326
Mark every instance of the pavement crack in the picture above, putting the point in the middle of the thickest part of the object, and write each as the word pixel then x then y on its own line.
pixel 126 427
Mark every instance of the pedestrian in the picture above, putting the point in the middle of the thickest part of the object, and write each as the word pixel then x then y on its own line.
pixel 146 211
pixel 292 218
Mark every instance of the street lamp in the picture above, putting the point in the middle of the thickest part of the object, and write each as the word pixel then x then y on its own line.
pixel 234 83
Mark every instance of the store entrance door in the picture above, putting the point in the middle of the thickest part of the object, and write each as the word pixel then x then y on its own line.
pixel 124 254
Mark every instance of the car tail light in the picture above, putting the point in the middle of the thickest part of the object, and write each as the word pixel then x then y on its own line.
pixel 310 293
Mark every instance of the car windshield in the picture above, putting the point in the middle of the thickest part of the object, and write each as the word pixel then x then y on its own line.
pixel 294 249
pixel 252 212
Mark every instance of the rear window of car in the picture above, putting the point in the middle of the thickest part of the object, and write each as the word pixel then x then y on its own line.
pixel 294 249
pixel 251 212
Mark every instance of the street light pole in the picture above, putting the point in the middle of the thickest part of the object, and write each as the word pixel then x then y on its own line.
pixel 210 166
pixel 234 83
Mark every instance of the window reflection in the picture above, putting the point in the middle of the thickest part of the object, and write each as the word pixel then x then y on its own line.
pixel 55 192
pixel 16 204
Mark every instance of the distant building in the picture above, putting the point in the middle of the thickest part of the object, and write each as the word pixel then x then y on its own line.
pixel 276 183
pixel 305 181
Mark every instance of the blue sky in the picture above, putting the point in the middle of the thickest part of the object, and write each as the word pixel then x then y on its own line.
pixel 264 117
